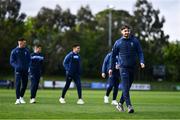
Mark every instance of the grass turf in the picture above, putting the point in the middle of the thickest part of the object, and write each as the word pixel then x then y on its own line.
pixel 147 105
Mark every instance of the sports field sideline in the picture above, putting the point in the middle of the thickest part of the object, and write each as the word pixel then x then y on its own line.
pixel 147 105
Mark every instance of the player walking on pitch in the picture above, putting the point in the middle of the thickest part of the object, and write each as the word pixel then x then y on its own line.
pixel 35 71
pixel 127 48
pixel 72 65
pixel 20 59
pixel 112 80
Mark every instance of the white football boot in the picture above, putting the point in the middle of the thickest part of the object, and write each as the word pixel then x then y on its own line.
pixel 80 102
pixel 114 102
pixel 17 102
pixel 62 100
pixel 106 99
pixel 22 100
pixel 32 100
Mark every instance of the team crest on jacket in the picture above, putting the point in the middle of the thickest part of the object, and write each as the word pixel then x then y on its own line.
pixel 132 44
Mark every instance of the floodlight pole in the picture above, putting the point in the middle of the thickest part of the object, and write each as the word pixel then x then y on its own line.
pixel 110 7
pixel 110 29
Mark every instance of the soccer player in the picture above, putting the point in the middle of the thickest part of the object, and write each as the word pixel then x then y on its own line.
pixel 35 70
pixel 112 80
pixel 72 66
pixel 128 48
pixel 20 59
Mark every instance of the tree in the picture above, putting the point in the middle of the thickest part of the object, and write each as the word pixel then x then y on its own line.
pixel 89 39
pixel 12 27
pixel 148 26
pixel 171 57
pixel 119 18
pixel 49 28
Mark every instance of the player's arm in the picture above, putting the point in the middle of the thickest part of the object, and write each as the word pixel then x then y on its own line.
pixel 140 54
pixel 42 63
pixel 104 66
pixel 66 61
pixel 13 59
pixel 113 58
pixel 117 63
pixel 80 65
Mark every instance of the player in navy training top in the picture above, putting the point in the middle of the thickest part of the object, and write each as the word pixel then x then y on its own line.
pixel 127 48
pixel 36 64
pixel 72 66
pixel 20 59
pixel 113 81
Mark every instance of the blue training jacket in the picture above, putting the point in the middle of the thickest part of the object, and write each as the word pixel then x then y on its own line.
pixel 72 63
pixel 106 64
pixel 36 62
pixel 20 59
pixel 127 50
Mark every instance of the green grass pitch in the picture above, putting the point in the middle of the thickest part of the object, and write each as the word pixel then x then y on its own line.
pixel 147 105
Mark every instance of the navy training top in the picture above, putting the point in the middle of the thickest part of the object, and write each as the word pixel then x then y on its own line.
pixel 20 59
pixel 72 63
pixel 128 50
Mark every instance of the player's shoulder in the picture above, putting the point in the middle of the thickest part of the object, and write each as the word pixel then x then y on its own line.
pixel 134 38
pixel 26 49
pixel 15 50
pixel 108 55
pixel 69 54
pixel 119 41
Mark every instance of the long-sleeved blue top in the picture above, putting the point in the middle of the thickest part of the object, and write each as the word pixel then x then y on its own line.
pixel 20 59
pixel 105 66
pixel 127 50
pixel 72 63
pixel 36 62
pixel 106 63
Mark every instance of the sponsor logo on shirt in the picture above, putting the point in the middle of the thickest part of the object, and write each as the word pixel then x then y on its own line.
pixel 37 57
pixel 76 57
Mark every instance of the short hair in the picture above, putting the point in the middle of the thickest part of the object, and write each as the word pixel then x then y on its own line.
pixel 21 39
pixel 125 27
pixel 75 45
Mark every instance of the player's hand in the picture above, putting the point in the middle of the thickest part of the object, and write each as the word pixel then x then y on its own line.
pixel 103 75
pixel 110 72
pixel 142 65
